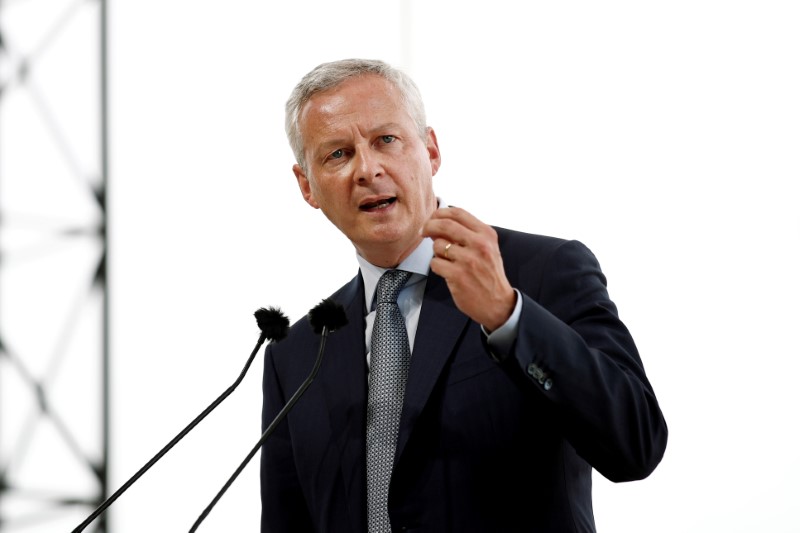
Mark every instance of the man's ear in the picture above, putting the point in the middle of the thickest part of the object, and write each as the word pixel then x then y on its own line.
pixel 305 186
pixel 433 151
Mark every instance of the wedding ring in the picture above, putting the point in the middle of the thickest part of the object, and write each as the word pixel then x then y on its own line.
pixel 447 249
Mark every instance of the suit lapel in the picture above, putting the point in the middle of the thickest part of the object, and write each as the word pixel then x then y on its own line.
pixel 440 326
pixel 345 386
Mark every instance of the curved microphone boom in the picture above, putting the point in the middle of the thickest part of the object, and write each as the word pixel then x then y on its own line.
pixel 325 318
pixel 274 326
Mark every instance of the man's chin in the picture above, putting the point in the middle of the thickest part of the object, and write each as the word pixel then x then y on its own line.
pixel 387 248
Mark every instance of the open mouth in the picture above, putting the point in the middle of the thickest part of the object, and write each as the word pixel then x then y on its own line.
pixel 380 204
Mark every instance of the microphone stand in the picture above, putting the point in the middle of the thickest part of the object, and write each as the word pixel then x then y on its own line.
pixel 277 420
pixel 266 320
pixel 325 318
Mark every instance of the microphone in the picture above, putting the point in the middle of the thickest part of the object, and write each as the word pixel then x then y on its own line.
pixel 325 318
pixel 274 326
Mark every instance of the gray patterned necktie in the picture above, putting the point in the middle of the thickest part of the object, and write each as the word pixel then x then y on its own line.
pixel 389 361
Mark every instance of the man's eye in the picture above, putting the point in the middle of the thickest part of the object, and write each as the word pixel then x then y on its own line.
pixel 337 154
pixel 387 138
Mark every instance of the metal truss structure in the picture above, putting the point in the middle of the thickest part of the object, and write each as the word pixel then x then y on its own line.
pixel 54 302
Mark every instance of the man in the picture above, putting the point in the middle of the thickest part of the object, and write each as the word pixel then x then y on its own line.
pixel 521 378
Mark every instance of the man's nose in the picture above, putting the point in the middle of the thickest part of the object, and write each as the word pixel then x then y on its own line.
pixel 368 165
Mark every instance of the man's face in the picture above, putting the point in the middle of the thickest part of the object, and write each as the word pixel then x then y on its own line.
pixel 367 167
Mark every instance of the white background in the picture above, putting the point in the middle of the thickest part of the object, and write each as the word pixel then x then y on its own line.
pixel 664 135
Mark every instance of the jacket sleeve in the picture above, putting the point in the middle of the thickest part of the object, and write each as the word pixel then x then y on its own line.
pixel 572 347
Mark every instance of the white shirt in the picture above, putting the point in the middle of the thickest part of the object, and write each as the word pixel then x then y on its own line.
pixel 410 298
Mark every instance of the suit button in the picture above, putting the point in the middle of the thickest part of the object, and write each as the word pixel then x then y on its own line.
pixel 539 375
pixel 535 372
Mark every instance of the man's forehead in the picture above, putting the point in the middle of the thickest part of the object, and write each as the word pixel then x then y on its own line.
pixel 368 107
pixel 364 91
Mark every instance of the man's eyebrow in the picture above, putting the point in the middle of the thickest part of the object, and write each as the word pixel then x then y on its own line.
pixel 337 142
pixel 327 145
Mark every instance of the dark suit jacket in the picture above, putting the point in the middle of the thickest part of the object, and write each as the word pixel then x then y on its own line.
pixel 484 446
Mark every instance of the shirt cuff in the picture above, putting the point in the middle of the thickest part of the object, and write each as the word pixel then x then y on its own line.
pixel 501 340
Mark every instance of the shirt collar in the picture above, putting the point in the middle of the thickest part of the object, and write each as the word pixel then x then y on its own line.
pixel 418 263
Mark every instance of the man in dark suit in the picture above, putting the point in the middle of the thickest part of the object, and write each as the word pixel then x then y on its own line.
pixel 522 378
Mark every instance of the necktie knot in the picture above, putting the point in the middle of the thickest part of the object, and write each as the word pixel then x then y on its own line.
pixel 390 285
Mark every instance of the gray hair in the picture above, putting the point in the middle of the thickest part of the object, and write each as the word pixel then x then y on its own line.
pixel 329 75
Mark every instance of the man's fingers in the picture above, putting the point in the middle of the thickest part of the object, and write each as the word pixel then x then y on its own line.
pixel 458 215
pixel 455 225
